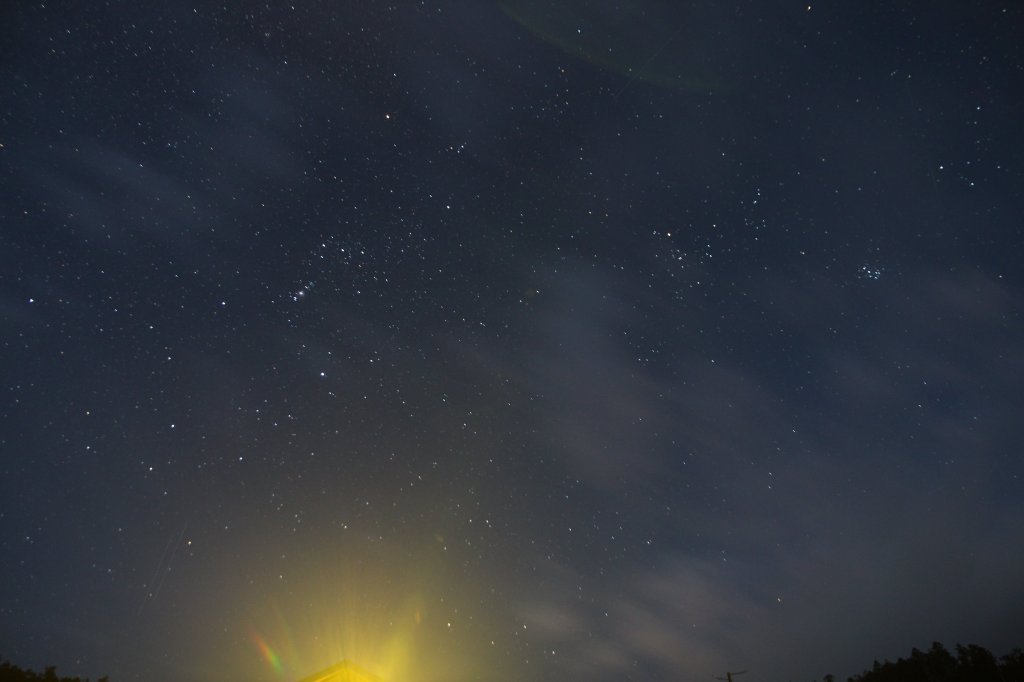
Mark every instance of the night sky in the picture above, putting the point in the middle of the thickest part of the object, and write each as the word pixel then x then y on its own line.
pixel 509 339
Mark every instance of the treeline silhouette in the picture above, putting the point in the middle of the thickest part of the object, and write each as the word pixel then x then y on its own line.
pixel 971 663
pixel 12 673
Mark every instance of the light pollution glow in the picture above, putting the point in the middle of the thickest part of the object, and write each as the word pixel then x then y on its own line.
pixel 399 618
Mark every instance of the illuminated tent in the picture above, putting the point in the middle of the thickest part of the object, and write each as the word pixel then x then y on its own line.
pixel 342 672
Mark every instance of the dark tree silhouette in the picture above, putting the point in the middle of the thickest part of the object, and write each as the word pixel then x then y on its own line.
pixel 972 663
pixel 1011 666
pixel 12 673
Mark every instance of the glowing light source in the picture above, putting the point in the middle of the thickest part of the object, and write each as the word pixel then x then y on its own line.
pixel 342 672
pixel 384 613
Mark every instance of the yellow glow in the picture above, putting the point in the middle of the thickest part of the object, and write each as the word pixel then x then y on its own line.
pixel 342 672
pixel 388 618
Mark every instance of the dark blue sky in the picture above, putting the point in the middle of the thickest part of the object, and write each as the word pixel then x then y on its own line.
pixel 509 340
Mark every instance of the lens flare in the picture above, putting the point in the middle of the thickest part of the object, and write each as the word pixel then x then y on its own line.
pixel 268 654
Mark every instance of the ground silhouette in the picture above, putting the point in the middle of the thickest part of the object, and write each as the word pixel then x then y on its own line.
pixel 972 663
pixel 12 673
